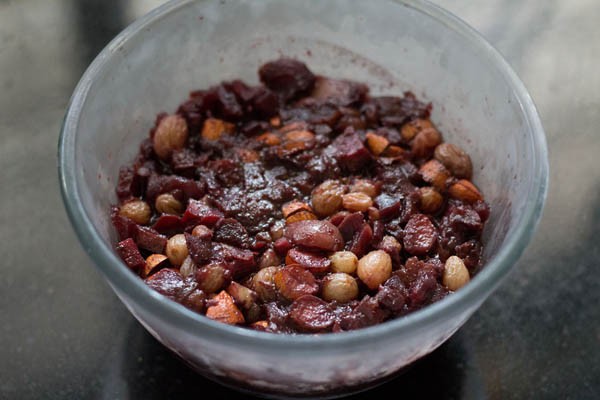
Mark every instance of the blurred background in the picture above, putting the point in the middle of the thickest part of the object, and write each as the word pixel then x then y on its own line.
pixel 64 334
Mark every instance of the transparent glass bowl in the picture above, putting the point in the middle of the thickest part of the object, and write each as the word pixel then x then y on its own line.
pixel 479 103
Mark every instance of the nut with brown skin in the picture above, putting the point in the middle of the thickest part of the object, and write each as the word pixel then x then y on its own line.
pixel 300 136
pixel 211 277
pixel 293 207
pixel 270 139
pixel 434 173
pixel 170 135
pixel 136 210
pixel 264 285
pixel 203 232
pixel 430 200
pixel 357 201
pixel 455 159
pixel 327 198
pixel 152 262
pixel 377 144
pixel 300 216
pixel 223 309
pixel 464 190
pixel 166 203
pixel 425 142
pixel 214 128
pixel 410 129
pixel 269 259
pixel 394 151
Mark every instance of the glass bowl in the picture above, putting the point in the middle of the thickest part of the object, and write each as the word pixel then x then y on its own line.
pixel 478 103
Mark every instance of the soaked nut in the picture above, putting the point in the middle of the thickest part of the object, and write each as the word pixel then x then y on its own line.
pixel 152 262
pixel 243 296
pixel 270 139
pixel 456 274
pixel 340 287
pixel 214 128
pixel 170 135
pixel 300 136
pixel 327 198
pixel 344 261
pixel 136 210
pixel 374 268
pixel 247 155
pixel 464 190
pixel 454 159
pixel 393 151
pixel 177 249
pixel 364 186
pixel 357 201
pixel 223 309
pixel 203 232
pixel 377 144
pixel 166 203
pixel 425 142
pixel 293 207
pixel 410 129
pixel 434 173
pixel 430 200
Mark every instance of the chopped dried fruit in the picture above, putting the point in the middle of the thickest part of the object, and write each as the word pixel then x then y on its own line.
pixel 299 205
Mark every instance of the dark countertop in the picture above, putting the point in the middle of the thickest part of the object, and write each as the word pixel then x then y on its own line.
pixel 65 335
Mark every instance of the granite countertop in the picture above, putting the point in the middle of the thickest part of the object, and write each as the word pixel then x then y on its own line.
pixel 65 335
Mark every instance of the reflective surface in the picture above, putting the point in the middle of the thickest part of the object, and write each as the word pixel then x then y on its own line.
pixel 65 335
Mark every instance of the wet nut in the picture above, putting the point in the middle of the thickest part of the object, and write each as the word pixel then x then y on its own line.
pixel 300 136
pixel 152 262
pixel 344 261
pixel 214 128
pixel 425 142
pixel 243 296
pixel 357 201
pixel 166 203
pixel 430 200
pixel 300 216
pixel 275 121
pixel 263 284
pixel 454 159
pixel 269 259
pixel 393 151
pixel 203 232
pixel 327 198
pixel 223 309
pixel 188 267
pixel 170 135
pixel 270 139
pixel 293 207
pixel 377 144
pixel 464 190
pixel 434 173
pixel 247 155
pixel 136 210
pixel 411 128
pixel 177 249
pixel 456 274
pixel 340 287
pixel 364 186
pixel 374 268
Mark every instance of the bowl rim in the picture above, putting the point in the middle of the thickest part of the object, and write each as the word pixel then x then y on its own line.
pixel 122 281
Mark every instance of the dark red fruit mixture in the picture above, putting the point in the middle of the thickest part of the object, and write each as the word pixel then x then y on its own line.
pixel 302 205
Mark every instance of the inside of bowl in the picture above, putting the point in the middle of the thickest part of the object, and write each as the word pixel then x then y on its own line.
pixel 474 104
